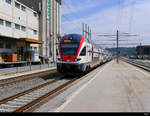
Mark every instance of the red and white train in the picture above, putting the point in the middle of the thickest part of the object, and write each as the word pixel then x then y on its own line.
pixel 78 54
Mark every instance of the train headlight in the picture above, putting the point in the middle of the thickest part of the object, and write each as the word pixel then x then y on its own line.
pixel 59 59
pixel 78 59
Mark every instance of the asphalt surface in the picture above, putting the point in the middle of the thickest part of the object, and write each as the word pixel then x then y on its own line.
pixel 115 88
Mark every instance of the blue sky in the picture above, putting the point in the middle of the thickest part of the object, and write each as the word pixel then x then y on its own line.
pixel 106 16
pixel 93 6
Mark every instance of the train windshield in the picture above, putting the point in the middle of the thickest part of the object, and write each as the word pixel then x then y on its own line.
pixel 69 49
pixel 69 44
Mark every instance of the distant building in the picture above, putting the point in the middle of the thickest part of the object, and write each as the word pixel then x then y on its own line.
pixel 143 50
pixel 19 31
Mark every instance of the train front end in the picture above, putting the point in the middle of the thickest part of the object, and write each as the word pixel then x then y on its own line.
pixel 68 60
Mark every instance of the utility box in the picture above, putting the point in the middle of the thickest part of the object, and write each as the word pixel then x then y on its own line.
pixel 12 58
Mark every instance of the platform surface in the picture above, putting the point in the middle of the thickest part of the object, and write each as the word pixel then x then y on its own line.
pixel 28 72
pixel 116 88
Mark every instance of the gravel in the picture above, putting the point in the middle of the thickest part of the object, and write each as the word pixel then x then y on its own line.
pixel 11 90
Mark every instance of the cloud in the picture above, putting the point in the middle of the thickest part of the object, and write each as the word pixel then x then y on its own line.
pixel 132 17
pixel 73 6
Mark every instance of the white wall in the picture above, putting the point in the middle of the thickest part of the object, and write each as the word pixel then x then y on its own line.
pixel 32 20
pixel 5 10
pixel 8 12
pixel 17 16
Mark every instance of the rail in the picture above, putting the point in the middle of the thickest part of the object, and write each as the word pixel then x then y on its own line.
pixel 136 63
pixel 32 98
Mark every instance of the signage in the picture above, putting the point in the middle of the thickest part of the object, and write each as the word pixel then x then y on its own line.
pixel 48 10
pixel 67 40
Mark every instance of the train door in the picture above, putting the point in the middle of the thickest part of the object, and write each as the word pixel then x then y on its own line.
pixel 87 54
pixel 92 63
pixel 99 56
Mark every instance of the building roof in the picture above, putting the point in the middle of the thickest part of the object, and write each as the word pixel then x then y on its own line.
pixel 33 4
pixel 32 40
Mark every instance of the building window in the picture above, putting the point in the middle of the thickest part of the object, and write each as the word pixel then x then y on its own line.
pixel 35 48
pixel 23 28
pixel 8 24
pixel 35 32
pixel 17 26
pixel 35 14
pixel 17 5
pixel 8 1
pixel 8 45
pixel 31 48
pixel 23 8
pixel 1 44
pixel 1 22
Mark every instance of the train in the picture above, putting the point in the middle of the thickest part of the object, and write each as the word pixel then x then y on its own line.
pixel 77 54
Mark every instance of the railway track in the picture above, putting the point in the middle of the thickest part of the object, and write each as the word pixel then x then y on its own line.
pixel 32 98
pixel 23 100
pixel 137 64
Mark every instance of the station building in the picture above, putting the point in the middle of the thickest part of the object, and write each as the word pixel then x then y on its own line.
pixel 49 12
pixel 19 32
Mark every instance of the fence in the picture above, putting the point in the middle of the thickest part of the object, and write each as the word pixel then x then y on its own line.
pixel 13 70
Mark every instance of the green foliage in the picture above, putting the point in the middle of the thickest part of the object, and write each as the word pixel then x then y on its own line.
pixel 134 53
pixel 124 51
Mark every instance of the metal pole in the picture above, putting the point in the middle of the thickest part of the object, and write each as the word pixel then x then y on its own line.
pixel 117 46
pixel 88 33
pixel 30 65
pixel 48 64
pixel 83 29
pixel 40 66
pixel 17 68
pixel 86 30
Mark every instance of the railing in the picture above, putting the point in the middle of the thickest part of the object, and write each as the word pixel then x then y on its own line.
pixel 13 70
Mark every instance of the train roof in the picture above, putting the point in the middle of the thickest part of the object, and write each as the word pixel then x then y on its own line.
pixel 78 37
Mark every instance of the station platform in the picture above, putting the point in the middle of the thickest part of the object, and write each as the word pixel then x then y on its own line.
pixel 115 88
pixel 26 70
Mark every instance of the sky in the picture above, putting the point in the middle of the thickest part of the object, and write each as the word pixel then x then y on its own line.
pixel 106 17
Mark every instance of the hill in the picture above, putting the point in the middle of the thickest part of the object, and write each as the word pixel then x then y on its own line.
pixel 124 51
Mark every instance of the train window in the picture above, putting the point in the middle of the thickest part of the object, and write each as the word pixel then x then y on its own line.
pixel 83 52
pixel 57 52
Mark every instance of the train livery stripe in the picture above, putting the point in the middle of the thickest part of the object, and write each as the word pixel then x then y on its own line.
pixel 80 45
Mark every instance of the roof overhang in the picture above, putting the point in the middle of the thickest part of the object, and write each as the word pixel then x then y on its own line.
pixel 7 38
pixel 32 41
pixel 28 40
